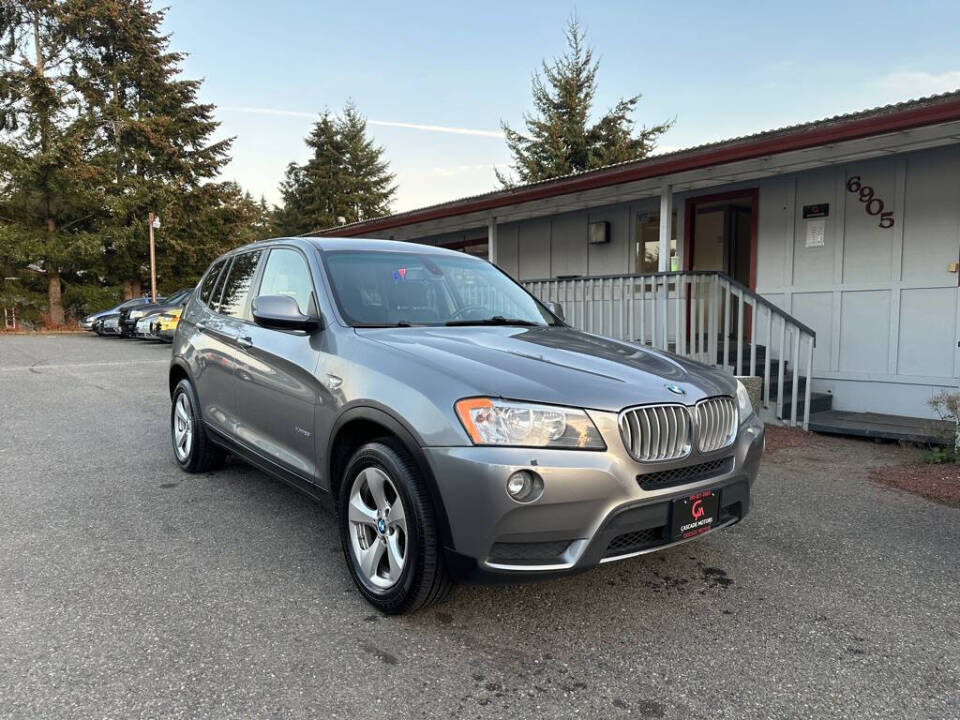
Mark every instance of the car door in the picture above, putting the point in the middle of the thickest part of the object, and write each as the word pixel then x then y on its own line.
pixel 222 360
pixel 283 390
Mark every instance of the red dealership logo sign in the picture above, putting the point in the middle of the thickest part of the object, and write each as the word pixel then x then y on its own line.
pixel 697 509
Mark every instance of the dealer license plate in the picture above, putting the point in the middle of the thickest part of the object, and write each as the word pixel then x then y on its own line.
pixel 695 514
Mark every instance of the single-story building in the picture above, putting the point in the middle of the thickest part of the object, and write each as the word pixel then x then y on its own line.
pixel 836 241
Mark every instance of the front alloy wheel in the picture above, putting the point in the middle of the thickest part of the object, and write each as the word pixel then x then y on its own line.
pixel 378 528
pixel 388 529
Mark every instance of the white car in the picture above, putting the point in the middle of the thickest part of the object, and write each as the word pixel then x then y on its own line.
pixel 144 328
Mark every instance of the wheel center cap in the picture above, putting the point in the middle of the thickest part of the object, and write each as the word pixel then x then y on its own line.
pixel 381 526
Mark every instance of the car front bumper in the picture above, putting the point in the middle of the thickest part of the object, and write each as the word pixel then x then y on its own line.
pixel 593 508
pixel 144 327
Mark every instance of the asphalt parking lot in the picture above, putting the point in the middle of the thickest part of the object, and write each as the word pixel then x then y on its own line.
pixel 129 589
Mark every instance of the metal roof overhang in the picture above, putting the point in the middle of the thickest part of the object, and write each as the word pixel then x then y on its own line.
pixel 691 180
pixel 685 171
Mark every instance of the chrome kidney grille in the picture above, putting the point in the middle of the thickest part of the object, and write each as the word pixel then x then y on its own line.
pixel 656 432
pixel 716 423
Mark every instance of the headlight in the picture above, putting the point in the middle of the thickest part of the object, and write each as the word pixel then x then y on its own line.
pixel 743 402
pixel 489 421
pixel 135 314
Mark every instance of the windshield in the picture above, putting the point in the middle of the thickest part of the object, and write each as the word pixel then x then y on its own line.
pixel 388 288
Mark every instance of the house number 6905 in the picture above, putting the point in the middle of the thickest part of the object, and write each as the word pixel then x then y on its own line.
pixel 872 204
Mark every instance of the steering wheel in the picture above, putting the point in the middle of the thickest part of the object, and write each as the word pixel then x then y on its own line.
pixel 466 309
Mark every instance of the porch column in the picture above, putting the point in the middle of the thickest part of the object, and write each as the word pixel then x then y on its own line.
pixel 666 225
pixel 492 239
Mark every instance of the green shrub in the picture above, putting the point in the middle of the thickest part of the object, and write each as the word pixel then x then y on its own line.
pixel 947 406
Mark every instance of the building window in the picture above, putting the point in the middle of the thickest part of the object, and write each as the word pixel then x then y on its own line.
pixel 648 242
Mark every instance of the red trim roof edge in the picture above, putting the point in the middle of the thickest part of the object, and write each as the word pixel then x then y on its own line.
pixel 735 151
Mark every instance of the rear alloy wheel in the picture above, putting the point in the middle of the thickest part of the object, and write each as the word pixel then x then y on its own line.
pixel 182 427
pixel 388 530
pixel 191 447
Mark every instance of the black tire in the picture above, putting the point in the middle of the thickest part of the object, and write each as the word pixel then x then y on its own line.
pixel 424 580
pixel 203 455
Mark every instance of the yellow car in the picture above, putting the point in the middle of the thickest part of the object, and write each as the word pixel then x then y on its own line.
pixel 166 324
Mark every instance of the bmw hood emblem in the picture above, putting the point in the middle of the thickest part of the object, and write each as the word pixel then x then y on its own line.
pixel 676 390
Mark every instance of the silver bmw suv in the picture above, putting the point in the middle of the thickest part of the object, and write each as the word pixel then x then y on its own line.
pixel 459 428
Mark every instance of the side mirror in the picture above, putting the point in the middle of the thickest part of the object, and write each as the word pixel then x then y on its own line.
pixel 281 312
pixel 556 308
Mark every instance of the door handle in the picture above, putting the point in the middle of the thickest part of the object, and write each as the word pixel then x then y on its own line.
pixel 201 325
pixel 245 341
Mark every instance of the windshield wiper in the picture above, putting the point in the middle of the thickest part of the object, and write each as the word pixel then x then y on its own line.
pixel 495 320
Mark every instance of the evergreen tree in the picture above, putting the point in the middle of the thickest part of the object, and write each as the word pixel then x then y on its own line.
pixel 370 182
pixel 345 177
pixel 48 185
pixel 213 219
pixel 560 138
pixel 153 137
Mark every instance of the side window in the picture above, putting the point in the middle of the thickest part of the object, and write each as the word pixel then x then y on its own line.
pixel 236 288
pixel 210 281
pixel 287 274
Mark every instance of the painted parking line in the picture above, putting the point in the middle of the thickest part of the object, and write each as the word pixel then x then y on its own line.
pixel 42 366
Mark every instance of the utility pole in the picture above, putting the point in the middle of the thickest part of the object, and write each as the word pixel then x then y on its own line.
pixel 154 223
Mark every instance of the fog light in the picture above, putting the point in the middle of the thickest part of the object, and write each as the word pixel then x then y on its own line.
pixel 524 486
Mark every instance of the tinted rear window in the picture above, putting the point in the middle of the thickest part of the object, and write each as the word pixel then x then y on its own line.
pixel 210 281
pixel 236 289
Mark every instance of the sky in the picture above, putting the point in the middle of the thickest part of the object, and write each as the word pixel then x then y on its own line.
pixel 435 80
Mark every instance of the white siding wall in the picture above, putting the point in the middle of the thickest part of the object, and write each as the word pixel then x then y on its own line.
pixel 882 301
pixel 883 304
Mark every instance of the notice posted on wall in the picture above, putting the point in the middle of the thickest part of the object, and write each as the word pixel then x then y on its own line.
pixel 816 229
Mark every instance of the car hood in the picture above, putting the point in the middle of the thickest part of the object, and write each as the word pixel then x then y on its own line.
pixel 154 308
pixel 559 365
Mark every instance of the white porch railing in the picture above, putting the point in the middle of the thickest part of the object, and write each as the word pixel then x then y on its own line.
pixel 706 316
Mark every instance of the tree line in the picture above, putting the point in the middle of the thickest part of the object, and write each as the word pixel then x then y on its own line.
pixel 99 128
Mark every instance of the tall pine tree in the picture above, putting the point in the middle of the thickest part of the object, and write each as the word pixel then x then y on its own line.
pixel 49 193
pixel 153 136
pixel 560 137
pixel 345 177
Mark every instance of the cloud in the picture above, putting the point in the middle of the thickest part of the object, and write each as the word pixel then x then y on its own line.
pixel 450 170
pixel 380 123
pixel 918 83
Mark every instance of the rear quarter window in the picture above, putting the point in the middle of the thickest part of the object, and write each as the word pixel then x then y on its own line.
pixel 236 288
pixel 210 281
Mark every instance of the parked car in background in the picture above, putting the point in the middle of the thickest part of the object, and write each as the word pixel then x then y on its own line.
pixel 129 318
pixel 166 323
pixel 144 328
pixel 460 428
pixel 109 325
pixel 87 323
